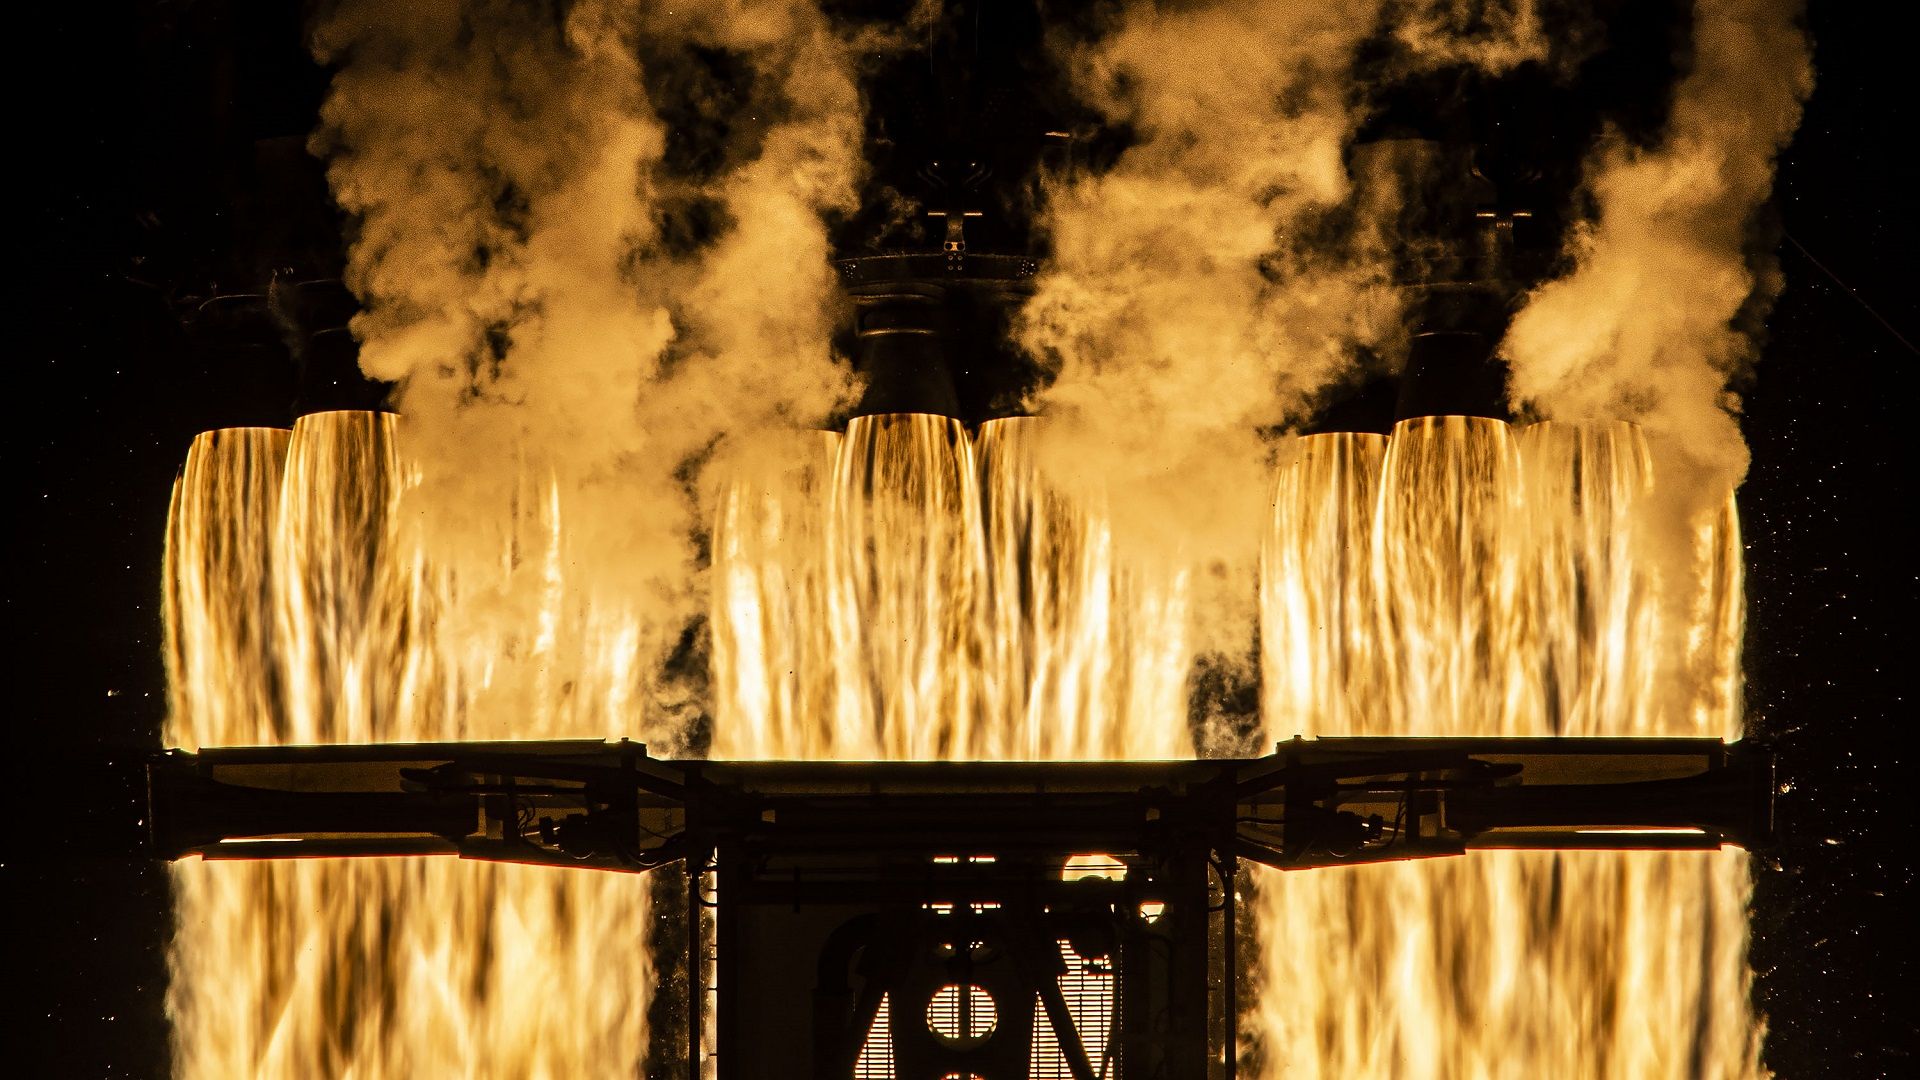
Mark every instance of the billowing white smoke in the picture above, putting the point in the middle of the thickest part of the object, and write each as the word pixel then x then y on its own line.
pixel 566 359
pixel 1644 327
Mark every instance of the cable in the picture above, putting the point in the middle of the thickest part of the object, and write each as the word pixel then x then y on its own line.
pixel 1226 882
pixel 1400 817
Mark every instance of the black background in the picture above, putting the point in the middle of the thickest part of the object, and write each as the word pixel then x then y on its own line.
pixel 105 399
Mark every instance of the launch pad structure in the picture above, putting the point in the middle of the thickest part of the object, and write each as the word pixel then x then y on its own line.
pixel 934 919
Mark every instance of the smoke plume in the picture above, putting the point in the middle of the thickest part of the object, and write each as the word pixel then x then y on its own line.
pixel 1649 325
pixel 1209 284
pixel 1489 36
pixel 581 304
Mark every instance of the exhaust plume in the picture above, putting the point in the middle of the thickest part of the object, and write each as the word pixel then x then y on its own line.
pixel 1203 289
pixel 1655 318
pixel 580 304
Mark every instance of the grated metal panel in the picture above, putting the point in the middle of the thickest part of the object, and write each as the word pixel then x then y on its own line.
pixel 876 1054
pixel 1088 986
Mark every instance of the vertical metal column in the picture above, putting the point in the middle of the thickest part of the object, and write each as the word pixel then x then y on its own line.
pixel 1188 967
pixel 730 1026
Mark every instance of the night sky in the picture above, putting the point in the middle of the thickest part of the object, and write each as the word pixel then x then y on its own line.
pixel 136 179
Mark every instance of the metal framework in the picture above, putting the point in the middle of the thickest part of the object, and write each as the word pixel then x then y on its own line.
pixel 945 899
